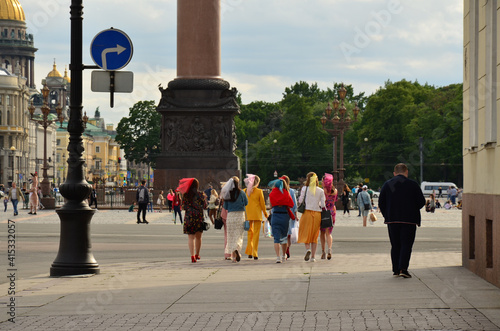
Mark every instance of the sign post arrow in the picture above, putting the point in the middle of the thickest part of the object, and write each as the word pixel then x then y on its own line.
pixel 118 49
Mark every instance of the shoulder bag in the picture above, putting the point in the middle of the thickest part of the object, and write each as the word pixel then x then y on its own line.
pixel 218 223
pixel 302 206
pixel 366 205
pixel 326 219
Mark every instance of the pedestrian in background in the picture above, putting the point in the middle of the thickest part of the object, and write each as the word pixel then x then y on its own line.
pixel 345 199
pixel 254 210
pixel 364 203
pixel 150 202
pixel 213 204
pixel 193 202
pixel 281 203
pixel 331 195
pixel 142 198
pixel 400 202
pixel 177 206
pixel 310 221
pixel 160 201
pixel 33 191
pixel 235 201
pixel 170 199
pixel 14 195
pixel 93 196
pixel 292 222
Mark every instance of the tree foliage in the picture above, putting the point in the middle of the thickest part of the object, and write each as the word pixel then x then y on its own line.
pixel 387 132
pixel 139 133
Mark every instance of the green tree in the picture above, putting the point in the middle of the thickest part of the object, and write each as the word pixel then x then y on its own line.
pixel 139 133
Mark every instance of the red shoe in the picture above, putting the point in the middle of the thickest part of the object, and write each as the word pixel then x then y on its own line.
pixel 197 257
pixel 193 259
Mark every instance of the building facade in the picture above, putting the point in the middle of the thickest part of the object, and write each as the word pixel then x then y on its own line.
pixel 481 154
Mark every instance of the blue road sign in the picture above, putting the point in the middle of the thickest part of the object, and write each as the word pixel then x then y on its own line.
pixel 111 49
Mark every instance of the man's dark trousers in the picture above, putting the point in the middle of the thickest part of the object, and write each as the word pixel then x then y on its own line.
pixel 142 207
pixel 402 237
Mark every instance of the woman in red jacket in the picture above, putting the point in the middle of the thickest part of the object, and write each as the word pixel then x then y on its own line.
pixel 281 202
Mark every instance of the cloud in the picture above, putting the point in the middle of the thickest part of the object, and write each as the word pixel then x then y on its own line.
pixel 267 45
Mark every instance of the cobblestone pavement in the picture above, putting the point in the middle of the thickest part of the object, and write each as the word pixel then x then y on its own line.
pixel 395 319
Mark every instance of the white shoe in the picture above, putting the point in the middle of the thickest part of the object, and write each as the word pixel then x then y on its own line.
pixel 283 258
pixel 313 259
pixel 278 259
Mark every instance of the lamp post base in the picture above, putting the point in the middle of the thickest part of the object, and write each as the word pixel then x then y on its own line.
pixel 75 256
pixel 48 202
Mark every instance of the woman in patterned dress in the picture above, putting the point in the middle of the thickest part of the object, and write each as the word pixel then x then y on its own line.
pixel 235 201
pixel 193 202
pixel 331 196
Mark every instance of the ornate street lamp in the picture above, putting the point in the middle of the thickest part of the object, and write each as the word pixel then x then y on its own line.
pixel 45 122
pixel 13 151
pixel 341 121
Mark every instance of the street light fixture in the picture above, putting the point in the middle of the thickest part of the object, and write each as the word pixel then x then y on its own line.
pixel 13 151
pixel 341 121
pixel 45 122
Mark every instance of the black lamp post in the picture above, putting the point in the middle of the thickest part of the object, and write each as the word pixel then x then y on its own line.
pixel 75 256
pixel 341 121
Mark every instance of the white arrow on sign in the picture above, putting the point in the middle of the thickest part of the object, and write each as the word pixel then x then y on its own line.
pixel 118 49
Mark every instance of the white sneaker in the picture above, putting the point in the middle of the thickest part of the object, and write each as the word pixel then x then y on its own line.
pixel 283 258
pixel 313 259
pixel 278 259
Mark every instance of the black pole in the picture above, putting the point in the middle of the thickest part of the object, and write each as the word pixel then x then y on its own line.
pixel 75 256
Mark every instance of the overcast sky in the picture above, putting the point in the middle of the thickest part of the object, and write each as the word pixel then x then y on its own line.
pixel 267 45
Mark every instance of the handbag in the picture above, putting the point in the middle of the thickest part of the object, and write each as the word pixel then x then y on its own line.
pixel 218 223
pixel 206 226
pixel 326 219
pixel 158 202
pixel 246 225
pixel 366 205
pixel 302 206
pixel 294 237
pixel 373 217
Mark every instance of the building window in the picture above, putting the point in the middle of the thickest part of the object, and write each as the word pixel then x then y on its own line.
pixel 8 117
pixel 7 100
pixel 58 142
pixel 1 99
pixel 489 243
pixel 1 118
pixel 472 237
pixel 97 149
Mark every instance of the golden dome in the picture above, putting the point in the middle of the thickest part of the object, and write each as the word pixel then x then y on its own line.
pixel 11 10
pixel 54 72
pixel 66 78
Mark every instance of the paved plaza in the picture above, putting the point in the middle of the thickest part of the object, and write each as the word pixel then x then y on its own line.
pixel 353 291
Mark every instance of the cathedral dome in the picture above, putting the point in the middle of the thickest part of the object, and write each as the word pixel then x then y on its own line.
pixel 11 10
pixel 54 72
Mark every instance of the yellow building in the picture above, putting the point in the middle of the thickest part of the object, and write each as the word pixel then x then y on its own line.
pixel 481 155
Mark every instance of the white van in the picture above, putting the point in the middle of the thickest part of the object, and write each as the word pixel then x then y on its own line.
pixel 429 187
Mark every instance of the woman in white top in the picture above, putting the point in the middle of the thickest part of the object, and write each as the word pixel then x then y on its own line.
pixel 310 222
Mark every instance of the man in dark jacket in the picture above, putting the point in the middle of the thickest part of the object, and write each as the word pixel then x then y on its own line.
pixel 142 198
pixel 400 202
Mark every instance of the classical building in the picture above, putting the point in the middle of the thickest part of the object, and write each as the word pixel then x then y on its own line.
pixel 481 126
pixel 16 46
pixel 14 128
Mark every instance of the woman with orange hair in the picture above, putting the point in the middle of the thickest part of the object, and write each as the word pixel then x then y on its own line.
pixel 310 222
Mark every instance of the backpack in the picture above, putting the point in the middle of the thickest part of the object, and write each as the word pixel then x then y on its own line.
pixel 142 194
